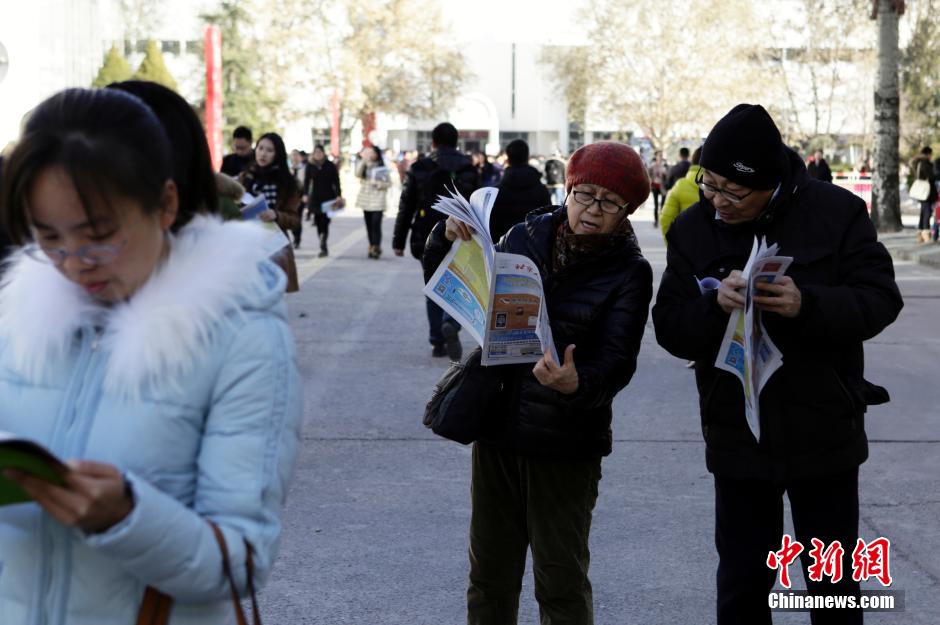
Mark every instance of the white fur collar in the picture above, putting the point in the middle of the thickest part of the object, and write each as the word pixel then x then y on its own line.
pixel 157 335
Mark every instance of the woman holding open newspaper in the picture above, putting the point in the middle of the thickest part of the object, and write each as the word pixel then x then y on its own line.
pixel 535 484
pixel 146 343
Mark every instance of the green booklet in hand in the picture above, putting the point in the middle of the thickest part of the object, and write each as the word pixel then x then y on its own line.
pixel 29 457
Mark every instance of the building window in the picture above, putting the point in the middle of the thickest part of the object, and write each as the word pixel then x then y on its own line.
pixel 423 141
pixel 171 47
pixel 611 135
pixel 506 137
pixel 575 136
pixel 321 136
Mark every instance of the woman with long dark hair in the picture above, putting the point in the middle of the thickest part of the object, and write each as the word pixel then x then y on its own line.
pixel 375 182
pixel 271 175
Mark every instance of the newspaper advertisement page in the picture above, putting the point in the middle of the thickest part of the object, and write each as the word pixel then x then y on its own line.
pixel 461 286
pixel 747 351
pixel 516 332
pixel 496 297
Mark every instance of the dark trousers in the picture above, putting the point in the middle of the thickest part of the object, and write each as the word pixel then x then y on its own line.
pixel 299 230
pixel 926 211
pixel 323 227
pixel 658 200
pixel 373 226
pixel 436 317
pixel 518 502
pixel 749 525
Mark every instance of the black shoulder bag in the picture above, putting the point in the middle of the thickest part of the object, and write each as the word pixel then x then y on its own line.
pixel 470 401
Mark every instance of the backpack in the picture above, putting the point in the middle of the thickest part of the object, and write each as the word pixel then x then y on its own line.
pixel 439 181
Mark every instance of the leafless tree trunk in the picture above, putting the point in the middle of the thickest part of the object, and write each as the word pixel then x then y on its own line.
pixel 885 198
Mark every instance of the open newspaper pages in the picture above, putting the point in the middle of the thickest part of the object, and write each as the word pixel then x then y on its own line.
pixel 747 350
pixel 496 297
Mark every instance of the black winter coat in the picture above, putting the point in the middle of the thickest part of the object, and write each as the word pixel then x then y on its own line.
pixel 819 170
pixel 414 206
pixel 923 170
pixel 520 192
pixel 600 305
pixel 321 184
pixel 812 408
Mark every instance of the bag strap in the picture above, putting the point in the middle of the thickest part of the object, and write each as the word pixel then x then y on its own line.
pixel 155 607
pixel 227 568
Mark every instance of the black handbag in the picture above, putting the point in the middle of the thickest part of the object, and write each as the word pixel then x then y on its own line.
pixel 470 401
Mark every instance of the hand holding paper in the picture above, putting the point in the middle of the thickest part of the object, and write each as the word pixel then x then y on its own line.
pixel 93 498
pixel 747 350
pixel 730 295
pixel 457 229
pixel 563 379
pixel 784 298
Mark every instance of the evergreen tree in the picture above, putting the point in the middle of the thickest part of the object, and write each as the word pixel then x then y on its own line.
pixel 249 96
pixel 114 69
pixel 153 68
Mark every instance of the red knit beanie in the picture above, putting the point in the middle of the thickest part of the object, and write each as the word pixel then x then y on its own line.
pixel 612 165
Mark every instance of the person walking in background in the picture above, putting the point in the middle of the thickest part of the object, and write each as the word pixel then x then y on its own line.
pixel 678 171
pixel 922 169
pixel 936 210
pixel 658 173
pixel 684 193
pixel 373 189
pixel 445 169
pixel 555 178
pixel 818 168
pixel 321 180
pixel 150 341
pixel 235 163
pixel 520 191
pixel 534 478
pixel 271 176
pixel 489 174
pixel 298 167
pixel 838 292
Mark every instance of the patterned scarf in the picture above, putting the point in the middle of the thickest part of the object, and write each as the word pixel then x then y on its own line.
pixel 571 247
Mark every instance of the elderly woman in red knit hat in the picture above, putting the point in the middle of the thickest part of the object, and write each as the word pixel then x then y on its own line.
pixel 535 484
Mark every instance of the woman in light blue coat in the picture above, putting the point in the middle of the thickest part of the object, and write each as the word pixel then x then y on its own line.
pixel 149 343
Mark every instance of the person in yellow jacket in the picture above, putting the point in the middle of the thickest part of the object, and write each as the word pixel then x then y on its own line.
pixel 682 195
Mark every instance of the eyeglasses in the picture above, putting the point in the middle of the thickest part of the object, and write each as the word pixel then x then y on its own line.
pixel 586 199
pixel 94 254
pixel 712 189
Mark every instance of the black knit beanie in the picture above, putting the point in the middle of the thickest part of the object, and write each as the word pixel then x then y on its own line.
pixel 745 147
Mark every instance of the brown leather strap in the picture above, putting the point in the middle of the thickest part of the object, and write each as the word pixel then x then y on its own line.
pixel 227 568
pixel 155 607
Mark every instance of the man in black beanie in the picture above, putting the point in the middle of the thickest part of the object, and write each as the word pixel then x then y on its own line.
pixel 839 292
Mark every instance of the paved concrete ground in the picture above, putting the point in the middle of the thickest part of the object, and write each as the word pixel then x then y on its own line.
pixel 376 522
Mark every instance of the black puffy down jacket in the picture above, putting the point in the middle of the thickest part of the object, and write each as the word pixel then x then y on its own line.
pixel 600 305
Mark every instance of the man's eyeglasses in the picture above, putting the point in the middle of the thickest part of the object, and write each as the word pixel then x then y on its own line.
pixel 608 206
pixel 712 189
pixel 94 254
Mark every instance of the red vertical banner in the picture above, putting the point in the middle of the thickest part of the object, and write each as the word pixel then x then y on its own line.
pixel 334 124
pixel 368 125
pixel 214 94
